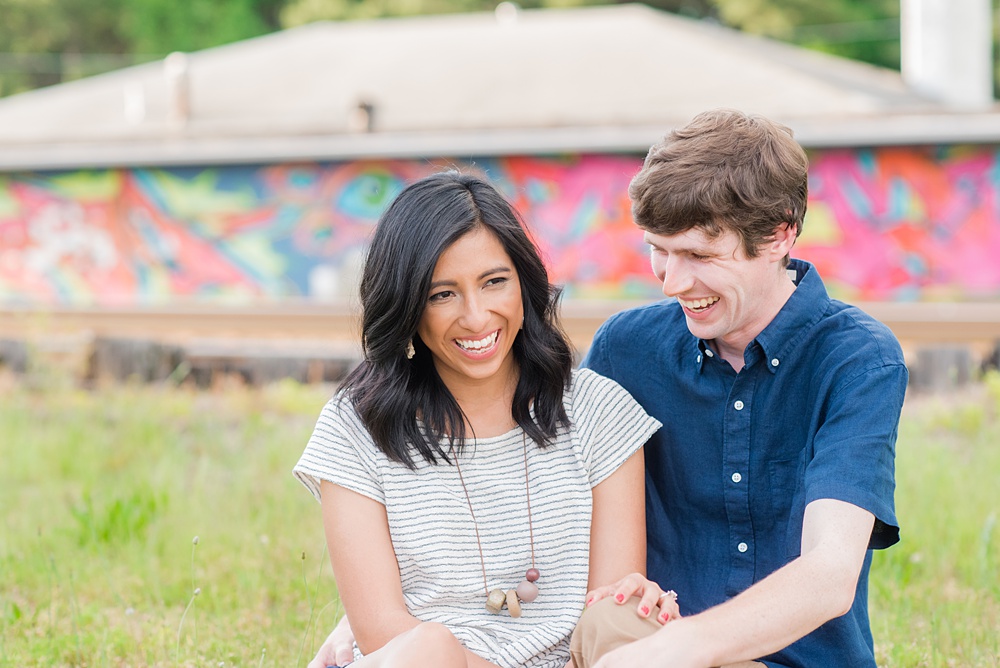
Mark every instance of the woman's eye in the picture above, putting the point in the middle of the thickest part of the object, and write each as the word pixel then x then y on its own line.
pixel 499 280
pixel 439 296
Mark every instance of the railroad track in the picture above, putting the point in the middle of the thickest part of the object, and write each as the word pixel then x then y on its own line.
pixel 944 343
pixel 335 325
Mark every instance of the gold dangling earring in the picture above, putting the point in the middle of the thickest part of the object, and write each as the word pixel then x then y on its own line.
pixel 410 352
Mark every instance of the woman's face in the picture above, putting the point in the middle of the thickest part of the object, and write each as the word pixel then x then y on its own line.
pixel 473 314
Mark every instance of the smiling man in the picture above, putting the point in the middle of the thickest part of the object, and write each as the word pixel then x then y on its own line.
pixel 772 478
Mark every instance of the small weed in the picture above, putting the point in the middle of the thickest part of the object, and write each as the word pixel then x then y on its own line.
pixel 120 521
pixel 13 613
pixel 309 630
pixel 195 592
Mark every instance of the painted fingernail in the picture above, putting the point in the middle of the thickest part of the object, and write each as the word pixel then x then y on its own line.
pixel 644 610
pixel 665 617
pixel 589 601
pixel 620 598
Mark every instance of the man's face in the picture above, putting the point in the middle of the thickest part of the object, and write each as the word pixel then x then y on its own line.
pixel 726 296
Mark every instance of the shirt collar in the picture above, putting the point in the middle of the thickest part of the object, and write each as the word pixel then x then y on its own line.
pixel 802 310
pixel 703 352
pixel 805 307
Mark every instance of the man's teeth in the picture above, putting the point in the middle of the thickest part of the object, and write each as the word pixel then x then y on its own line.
pixel 698 304
pixel 484 342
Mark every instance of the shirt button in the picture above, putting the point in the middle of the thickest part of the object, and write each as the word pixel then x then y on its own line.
pixel 708 351
pixel 737 477
pixel 699 359
pixel 775 362
pixel 738 405
pixel 742 547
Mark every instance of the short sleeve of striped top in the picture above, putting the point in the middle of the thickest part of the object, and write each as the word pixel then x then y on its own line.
pixel 604 415
pixel 434 535
pixel 342 451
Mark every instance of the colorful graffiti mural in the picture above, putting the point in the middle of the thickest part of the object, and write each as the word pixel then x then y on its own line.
pixel 883 224
pixel 906 224
pixel 243 233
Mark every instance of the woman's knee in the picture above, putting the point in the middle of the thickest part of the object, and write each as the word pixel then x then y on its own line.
pixel 605 626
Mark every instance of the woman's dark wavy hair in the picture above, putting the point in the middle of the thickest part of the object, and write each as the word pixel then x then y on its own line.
pixel 390 391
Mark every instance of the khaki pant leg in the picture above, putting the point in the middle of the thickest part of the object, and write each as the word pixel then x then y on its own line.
pixel 607 625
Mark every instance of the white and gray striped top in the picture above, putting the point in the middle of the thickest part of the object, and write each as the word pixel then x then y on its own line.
pixel 434 537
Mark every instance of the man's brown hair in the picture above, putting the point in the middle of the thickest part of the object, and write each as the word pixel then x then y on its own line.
pixel 725 170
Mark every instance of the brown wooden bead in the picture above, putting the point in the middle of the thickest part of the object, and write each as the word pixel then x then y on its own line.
pixel 527 591
pixel 495 601
pixel 513 605
pixel 532 575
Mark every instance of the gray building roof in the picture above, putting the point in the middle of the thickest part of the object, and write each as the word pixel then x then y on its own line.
pixel 526 81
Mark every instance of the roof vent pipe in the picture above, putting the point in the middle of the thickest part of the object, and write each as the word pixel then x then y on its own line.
pixel 176 70
pixel 362 117
pixel 947 50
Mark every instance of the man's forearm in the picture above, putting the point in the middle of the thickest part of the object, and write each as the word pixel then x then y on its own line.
pixel 796 599
pixel 789 604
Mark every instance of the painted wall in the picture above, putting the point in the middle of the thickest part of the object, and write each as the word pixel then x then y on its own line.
pixel 886 224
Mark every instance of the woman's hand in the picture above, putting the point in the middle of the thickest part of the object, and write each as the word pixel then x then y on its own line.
pixel 338 649
pixel 649 594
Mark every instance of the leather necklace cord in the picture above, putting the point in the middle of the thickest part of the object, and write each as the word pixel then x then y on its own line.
pixel 475 524
pixel 527 494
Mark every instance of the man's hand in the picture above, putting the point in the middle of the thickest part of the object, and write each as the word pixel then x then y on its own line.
pixel 676 645
pixel 338 649
pixel 650 595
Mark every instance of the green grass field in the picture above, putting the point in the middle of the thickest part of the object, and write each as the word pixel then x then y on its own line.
pixel 117 505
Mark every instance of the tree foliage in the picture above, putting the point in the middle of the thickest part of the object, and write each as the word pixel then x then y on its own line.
pixel 47 41
pixel 41 41
pixel 867 31
pixel 298 12
pixel 161 26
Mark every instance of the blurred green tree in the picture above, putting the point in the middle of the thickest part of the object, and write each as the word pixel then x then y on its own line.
pixel 43 42
pixel 298 12
pixel 162 26
pixel 866 31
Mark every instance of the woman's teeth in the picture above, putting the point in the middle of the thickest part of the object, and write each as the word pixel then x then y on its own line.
pixel 482 343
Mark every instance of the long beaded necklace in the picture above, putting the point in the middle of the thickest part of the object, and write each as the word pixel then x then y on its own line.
pixel 527 590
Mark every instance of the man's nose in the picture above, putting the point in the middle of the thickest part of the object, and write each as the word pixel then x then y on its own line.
pixel 677 278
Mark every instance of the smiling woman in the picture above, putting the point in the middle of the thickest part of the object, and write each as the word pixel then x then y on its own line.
pixel 473 486
pixel 448 247
pixel 473 316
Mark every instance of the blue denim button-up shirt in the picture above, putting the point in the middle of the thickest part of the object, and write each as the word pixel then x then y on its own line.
pixel 812 415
